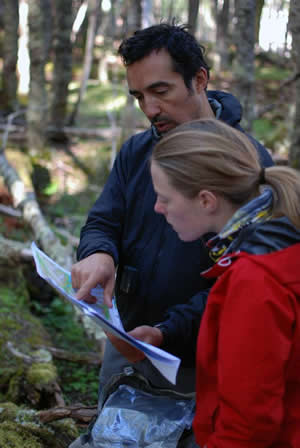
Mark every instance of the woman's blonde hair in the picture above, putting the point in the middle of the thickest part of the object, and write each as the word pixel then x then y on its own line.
pixel 209 154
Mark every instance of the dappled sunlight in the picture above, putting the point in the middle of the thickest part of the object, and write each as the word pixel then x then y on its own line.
pixel 116 103
pixel 18 192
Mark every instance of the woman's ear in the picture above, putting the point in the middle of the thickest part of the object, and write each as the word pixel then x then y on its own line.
pixel 208 201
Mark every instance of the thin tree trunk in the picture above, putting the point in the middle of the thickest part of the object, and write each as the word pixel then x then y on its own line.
pixel 132 16
pixel 79 19
pixel 23 53
pixel 193 15
pixel 294 26
pixel 147 13
pixel 244 63
pixel 37 103
pixel 62 62
pixel 94 8
pixel 48 26
pixel 259 8
pixel 10 55
pixel 222 36
pixel 171 11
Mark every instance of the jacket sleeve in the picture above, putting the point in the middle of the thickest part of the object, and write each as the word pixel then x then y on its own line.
pixel 181 326
pixel 103 228
pixel 254 342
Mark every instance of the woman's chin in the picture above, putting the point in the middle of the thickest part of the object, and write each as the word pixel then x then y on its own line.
pixel 187 237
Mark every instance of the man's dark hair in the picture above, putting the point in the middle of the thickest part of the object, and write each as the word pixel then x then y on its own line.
pixel 186 53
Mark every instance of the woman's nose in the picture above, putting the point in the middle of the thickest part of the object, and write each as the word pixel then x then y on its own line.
pixel 159 208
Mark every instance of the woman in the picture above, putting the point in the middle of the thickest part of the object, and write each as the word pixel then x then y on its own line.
pixel 208 178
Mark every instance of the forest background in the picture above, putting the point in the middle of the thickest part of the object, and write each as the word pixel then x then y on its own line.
pixel 64 113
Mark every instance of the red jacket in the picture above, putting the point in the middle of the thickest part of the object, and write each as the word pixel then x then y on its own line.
pixel 248 356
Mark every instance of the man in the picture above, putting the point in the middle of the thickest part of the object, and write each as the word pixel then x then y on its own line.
pixel 157 284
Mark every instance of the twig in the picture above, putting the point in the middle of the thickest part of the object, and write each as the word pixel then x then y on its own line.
pixel 290 80
pixel 10 211
pixel 8 127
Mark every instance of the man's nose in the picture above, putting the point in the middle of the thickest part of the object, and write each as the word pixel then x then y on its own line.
pixel 151 108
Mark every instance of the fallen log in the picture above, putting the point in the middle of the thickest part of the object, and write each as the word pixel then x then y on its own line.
pixel 79 413
pixel 80 358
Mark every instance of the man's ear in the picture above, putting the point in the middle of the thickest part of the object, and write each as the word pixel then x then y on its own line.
pixel 201 80
pixel 208 201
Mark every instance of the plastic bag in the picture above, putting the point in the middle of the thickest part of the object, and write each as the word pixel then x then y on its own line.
pixel 136 419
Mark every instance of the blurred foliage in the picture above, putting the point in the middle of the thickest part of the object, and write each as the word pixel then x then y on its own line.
pixel 272 73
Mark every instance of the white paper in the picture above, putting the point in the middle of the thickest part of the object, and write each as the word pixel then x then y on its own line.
pixel 107 318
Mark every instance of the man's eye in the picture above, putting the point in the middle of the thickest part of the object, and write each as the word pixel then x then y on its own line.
pixel 161 92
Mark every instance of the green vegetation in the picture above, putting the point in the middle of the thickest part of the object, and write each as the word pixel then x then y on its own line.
pixel 272 73
pixel 21 428
pixel 79 383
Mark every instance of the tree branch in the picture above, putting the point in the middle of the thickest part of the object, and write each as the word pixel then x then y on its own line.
pixel 79 413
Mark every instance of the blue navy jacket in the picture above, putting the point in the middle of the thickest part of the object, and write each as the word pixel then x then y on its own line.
pixel 158 276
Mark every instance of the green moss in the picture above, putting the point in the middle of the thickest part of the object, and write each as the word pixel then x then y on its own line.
pixel 13 291
pixel 65 426
pixel 14 435
pixel 8 411
pixel 21 428
pixel 41 374
pixel 14 385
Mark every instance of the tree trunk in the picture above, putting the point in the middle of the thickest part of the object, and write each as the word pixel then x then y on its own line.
pixel 23 56
pixel 62 63
pixel 193 15
pixel 48 26
pixel 294 26
pixel 259 7
pixel 79 19
pixel 132 16
pixel 37 102
pixel 222 34
pixel 10 55
pixel 147 13
pixel 244 63
pixel 94 8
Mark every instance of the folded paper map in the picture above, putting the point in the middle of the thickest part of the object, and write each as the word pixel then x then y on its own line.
pixel 107 318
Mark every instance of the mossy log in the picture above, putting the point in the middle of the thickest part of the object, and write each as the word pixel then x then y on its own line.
pixel 22 428
pixel 26 376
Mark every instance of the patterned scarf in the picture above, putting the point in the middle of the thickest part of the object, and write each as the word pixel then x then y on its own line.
pixel 257 210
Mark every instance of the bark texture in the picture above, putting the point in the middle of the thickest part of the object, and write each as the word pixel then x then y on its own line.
pixel 37 104
pixel 132 16
pixel 193 15
pixel 62 61
pixel 93 11
pixel 244 63
pixel 10 55
pixel 294 25
pixel 222 13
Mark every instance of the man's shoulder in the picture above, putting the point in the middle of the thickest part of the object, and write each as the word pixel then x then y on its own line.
pixel 142 142
pixel 230 110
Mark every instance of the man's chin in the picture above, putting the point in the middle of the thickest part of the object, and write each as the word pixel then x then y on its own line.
pixel 162 130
